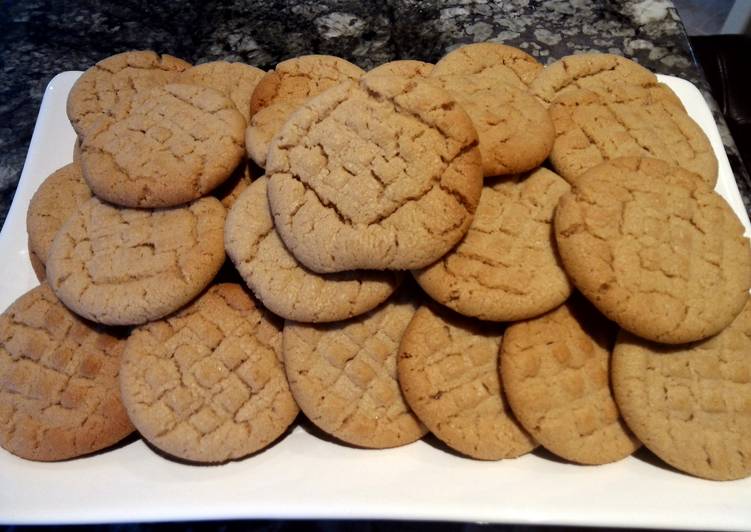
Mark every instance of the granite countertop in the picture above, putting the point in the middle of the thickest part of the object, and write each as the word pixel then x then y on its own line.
pixel 40 38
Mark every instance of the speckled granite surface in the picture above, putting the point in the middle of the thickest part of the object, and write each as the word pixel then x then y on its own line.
pixel 39 38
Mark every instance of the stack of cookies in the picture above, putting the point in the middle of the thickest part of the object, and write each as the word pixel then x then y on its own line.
pixel 500 254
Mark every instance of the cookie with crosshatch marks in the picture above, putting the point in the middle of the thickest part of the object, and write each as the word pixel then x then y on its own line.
pixel 207 384
pixel 494 61
pixel 655 249
pixel 283 90
pixel 129 266
pixel 344 377
pixel 381 174
pixel 177 144
pixel 448 372
pixel 104 94
pixel 286 287
pixel 690 404
pixel 59 394
pixel 555 371
pixel 507 266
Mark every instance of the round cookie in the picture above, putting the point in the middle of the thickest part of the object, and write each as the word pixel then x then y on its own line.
pixel 690 404
pixel 655 249
pixel 555 372
pixel 105 92
pixel 207 384
pixel 286 287
pixel 627 121
pixel 448 372
pixel 58 197
pixel 384 174
pixel 129 266
pixel 493 61
pixel 59 395
pixel 283 90
pixel 344 377
pixel 507 266
pixel 516 133
pixel 230 190
pixel 236 80
pixel 407 68
pixel 177 144
pixel 596 72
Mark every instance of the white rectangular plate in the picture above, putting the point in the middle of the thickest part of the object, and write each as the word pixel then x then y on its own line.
pixel 306 477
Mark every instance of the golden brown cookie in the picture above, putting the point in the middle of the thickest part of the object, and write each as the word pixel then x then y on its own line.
pixel 516 133
pixel 690 404
pixel 448 372
pixel 343 375
pixel 385 174
pixel 207 384
pixel 555 371
pixel 507 266
pixel 627 121
pixel 407 68
pixel 105 92
pixel 59 395
pixel 231 189
pixel 59 196
pixel 129 266
pixel 177 144
pixel 286 287
pixel 596 72
pixel 283 90
pixel 493 61
pixel 235 80
pixel 655 249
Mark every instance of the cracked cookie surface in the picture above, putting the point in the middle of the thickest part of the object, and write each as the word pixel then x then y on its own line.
pixel 285 286
pixel 493 61
pixel 507 266
pixel 235 80
pixel 207 384
pixel 406 68
pixel 344 377
pixel 55 200
pixel 516 133
pixel 128 266
pixel 555 371
pixel 59 394
pixel 448 372
pixel 104 93
pixel 690 404
pixel 596 72
pixel 283 90
pixel 627 121
pixel 655 249
pixel 384 174
pixel 177 144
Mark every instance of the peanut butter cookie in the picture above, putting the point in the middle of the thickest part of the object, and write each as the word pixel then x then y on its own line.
pixel 384 174
pixel 104 93
pixel 655 249
pixel 507 266
pixel 690 404
pixel 177 144
pixel 406 68
pixel 556 376
pixel 493 61
pixel 59 394
pixel 207 384
pixel 283 90
pixel 286 287
pixel 343 375
pixel 59 196
pixel 448 372
pixel 129 266
pixel 627 121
